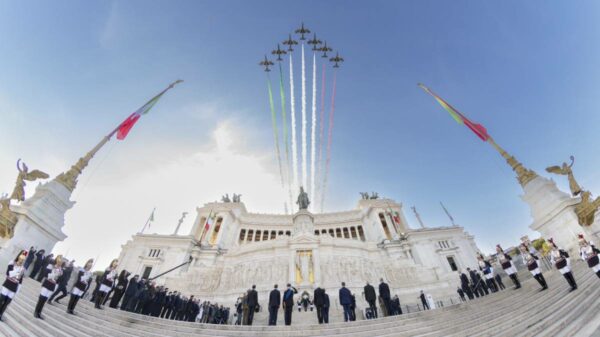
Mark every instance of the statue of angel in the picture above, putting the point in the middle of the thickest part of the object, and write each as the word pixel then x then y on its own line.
pixel 24 174
pixel 566 170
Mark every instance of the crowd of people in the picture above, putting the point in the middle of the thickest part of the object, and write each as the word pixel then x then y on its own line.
pixel 118 290
pixel 143 296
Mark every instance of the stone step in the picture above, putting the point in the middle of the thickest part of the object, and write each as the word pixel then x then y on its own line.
pixel 490 315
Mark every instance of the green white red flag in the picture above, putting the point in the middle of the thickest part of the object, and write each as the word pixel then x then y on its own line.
pixel 478 129
pixel 128 123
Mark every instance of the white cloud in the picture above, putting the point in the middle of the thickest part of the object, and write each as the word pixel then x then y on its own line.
pixel 109 211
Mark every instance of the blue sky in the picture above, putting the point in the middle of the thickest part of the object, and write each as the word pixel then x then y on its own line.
pixel 528 71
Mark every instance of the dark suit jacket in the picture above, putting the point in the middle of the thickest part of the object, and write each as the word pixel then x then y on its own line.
pixel 288 297
pixel 325 301
pixel 319 297
pixel 370 294
pixel 252 298
pixel 384 291
pixel 275 298
pixel 345 296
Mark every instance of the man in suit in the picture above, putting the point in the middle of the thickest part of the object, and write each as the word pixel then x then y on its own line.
pixel 424 301
pixel 464 284
pixel 274 303
pixel 29 257
pixel 252 303
pixel 371 298
pixel 325 309
pixel 288 303
pixel 319 301
pixel 346 301
pixel 384 293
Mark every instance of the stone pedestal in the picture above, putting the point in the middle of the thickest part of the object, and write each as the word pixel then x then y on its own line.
pixel 553 213
pixel 40 221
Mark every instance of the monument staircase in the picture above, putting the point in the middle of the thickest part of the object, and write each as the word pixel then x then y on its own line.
pixel 524 312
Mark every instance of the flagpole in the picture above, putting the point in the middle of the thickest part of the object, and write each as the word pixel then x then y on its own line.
pixel 448 214
pixel 150 218
pixel 69 178
pixel 524 175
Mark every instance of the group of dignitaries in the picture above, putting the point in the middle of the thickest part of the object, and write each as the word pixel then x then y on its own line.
pixel 144 297
pixel 248 304
pixel 117 289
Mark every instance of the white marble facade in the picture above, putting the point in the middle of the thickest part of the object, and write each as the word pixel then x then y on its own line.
pixel 365 244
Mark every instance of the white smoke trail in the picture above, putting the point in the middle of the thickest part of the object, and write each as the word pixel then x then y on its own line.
pixel 304 175
pixel 293 120
pixel 313 130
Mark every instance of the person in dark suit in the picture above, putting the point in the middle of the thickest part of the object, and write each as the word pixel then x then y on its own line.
pixel 46 266
pixel 274 303
pixel 346 301
pixel 325 310
pixel 464 285
pixel 62 284
pixel 120 288
pixel 252 303
pixel 29 258
pixel 371 298
pixel 132 287
pixel 319 302
pixel 288 303
pixel 424 301
pixel 384 293
pixel 476 281
pixel 37 265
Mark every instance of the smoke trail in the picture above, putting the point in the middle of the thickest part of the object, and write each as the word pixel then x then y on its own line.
pixel 321 131
pixel 293 119
pixel 304 176
pixel 287 166
pixel 329 131
pixel 275 131
pixel 313 128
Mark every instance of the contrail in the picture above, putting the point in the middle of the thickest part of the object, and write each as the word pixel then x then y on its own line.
pixel 321 131
pixel 329 131
pixel 313 129
pixel 293 119
pixel 287 170
pixel 304 175
pixel 275 131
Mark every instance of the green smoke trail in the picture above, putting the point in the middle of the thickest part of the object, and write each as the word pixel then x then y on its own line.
pixel 275 131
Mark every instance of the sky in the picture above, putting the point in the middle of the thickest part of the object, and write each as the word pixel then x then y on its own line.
pixel 72 71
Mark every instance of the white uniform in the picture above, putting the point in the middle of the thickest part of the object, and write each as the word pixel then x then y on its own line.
pixel 82 282
pixel 528 260
pixel 15 274
pixel 556 257
pixel 110 277
pixel 588 252
pixel 510 270
pixel 49 286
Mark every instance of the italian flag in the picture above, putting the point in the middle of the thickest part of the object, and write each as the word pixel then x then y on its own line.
pixel 128 123
pixel 478 129
pixel 209 221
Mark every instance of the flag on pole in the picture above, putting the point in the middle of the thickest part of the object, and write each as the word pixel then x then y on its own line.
pixel 478 129
pixel 209 221
pixel 128 123
pixel 151 217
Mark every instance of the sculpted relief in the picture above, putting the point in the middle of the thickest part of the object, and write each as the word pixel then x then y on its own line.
pixel 241 276
pixel 359 270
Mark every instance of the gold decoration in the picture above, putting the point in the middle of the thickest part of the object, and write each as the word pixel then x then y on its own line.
pixel 24 174
pixel 8 219
pixel 69 178
pixel 566 170
pixel 524 175
pixel 586 209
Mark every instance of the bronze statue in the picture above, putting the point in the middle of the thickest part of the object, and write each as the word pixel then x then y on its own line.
pixel 24 174
pixel 237 198
pixel 586 209
pixel 364 195
pixel 374 195
pixel 225 198
pixel 303 201
pixel 8 218
pixel 566 170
